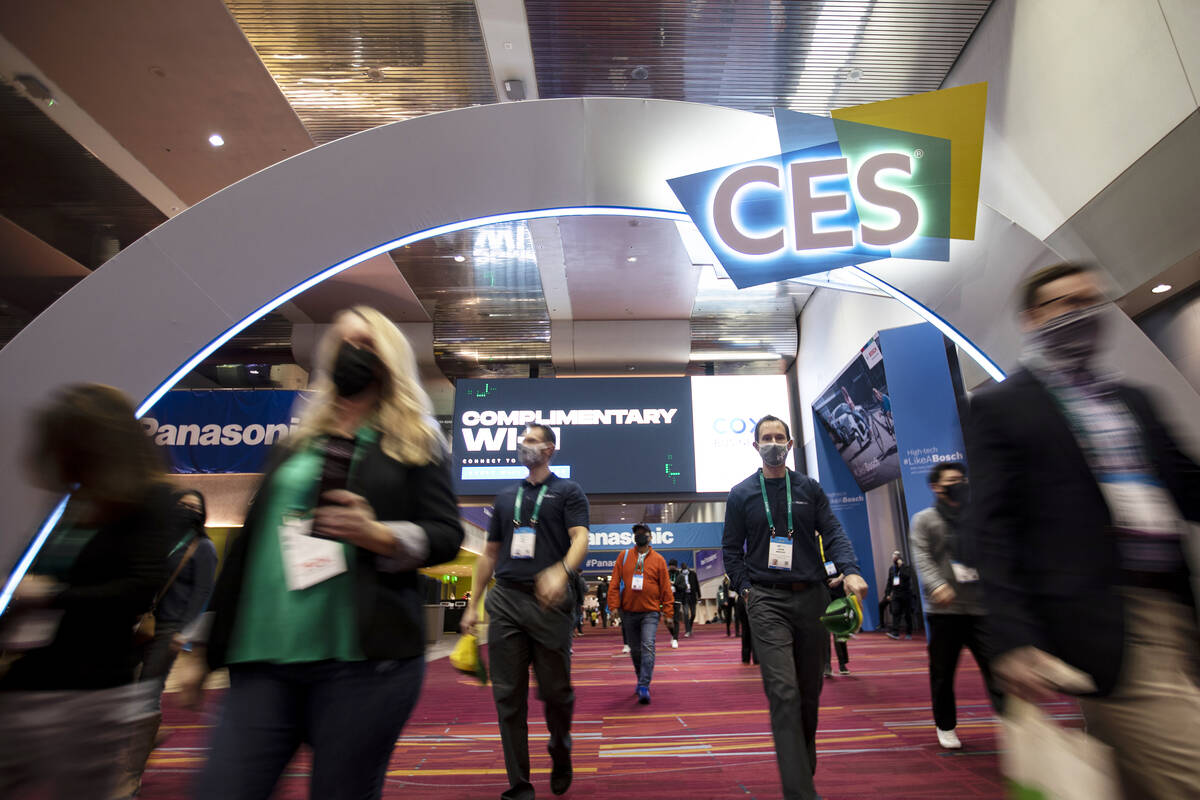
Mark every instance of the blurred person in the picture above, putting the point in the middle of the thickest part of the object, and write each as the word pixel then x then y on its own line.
pixel 1080 507
pixel 537 542
pixel 69 703
pixel 602 603
pixel 725 605
pixel 677 606
pixel 191 567
pixel 580 593
pixel 641 588
pixel 317 611
pixel 840 646
pixel 782 544
pixel 954 604
pixel 689 595
pixel 901 591
pixel 739 608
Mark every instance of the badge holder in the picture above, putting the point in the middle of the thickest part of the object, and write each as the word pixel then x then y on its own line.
pixel 524 537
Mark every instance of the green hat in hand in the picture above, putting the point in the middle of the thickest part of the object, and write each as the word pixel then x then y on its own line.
pixel 843 617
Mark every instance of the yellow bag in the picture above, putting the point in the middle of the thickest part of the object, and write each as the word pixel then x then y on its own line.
pixel 465 658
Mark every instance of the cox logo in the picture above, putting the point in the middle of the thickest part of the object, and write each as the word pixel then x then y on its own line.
pixel 723 426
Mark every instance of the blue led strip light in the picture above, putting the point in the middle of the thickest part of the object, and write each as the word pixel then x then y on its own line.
pixel 516 216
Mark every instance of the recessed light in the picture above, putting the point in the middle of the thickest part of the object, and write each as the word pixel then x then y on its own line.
pixel 632 259
pixel 1162 287
pixel 460 259
pixel 216 140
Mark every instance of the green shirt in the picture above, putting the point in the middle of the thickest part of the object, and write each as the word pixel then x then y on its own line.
pixel 281 626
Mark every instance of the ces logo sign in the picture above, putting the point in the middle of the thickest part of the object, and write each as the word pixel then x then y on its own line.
pixel 846 190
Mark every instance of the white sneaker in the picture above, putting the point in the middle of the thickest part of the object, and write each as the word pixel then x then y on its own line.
pixel 675 644
pixel 625 649
pixel 949 740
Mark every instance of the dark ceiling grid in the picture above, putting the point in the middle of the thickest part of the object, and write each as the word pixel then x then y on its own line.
pixel 58 191
pixel 488 310
pixel 349 65
pixel 807 55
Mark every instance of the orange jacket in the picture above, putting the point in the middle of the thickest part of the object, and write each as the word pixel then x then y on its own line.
pixel 655 594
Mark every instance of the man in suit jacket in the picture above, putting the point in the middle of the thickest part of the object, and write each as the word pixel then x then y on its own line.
pixel 1080 507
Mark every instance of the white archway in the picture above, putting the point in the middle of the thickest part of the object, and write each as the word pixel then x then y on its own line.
pixel 177 293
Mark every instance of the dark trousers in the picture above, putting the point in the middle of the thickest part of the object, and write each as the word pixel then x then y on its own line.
pixel 948 635
pixel 673 624
pixel 689 610
pixel 349 712
pixel 902 607
pixel 843 655
pixel 521 633
pixel 747 640
pixel 639 629
pixel 790 643
pixel 727 615
pixel 604 616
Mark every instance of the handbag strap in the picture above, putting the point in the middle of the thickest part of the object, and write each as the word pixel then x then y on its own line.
pixel 187 554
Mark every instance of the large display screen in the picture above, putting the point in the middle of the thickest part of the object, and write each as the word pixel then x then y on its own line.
pixel 856 413
pixel 616 435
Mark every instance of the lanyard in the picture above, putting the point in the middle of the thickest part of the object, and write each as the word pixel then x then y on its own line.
pixel 762 485
pixel 641 562
pixel 537 506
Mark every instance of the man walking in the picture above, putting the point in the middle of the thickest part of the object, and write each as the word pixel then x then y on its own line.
pixel 641 588
pixel 602 604
pixel 901 590
pixel 953 602
pixel 1081 502
pixel 725 605
pixel 677 606
pixel 537 541
pixel 690 595
pixel 782 544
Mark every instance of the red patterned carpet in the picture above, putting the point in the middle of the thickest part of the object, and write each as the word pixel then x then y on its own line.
pixel 705 735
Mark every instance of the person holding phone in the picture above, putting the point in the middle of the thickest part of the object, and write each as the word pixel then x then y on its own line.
pixel 317 611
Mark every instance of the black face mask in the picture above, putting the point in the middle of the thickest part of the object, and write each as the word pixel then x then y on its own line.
pixel 191 519
pixel 355 369
pixel 959 493
pixel 641 539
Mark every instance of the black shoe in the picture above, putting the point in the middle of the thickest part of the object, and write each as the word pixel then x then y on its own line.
pixel 560 777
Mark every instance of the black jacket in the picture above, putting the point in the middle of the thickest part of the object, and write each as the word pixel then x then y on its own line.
pixel 110 584
pixel 906 588
pixel 1049 563
pixel 389 605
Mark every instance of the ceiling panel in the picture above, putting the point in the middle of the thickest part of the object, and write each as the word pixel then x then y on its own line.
pixel 62 194
pixel 807 55
pixel 349 65
pixel 482 289
pixel 627 268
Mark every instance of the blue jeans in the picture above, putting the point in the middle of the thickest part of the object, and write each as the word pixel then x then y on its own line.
pixel 349 712
pixel 640 628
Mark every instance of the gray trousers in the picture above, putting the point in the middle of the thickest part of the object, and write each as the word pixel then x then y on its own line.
pixel 790 644
pixel 521 633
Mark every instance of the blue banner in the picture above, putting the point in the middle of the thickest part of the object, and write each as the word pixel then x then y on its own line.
pixel 849 505
pixel 602 563
pixel 220 431
pixel 928 430
pixel 690 535
pixel 709 564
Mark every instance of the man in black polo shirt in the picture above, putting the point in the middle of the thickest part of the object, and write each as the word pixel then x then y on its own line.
pixel 537 541
pixel 782 544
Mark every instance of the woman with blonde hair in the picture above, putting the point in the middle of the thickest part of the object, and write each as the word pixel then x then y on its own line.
pixel 68 703
pixel 317 612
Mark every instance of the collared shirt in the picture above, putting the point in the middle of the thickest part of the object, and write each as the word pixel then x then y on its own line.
pixel 565 506
pixel 747 538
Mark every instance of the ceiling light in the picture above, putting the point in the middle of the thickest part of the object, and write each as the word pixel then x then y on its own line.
pixel 460 259
pixel 632 259
pixel 216 140
pixel 1162 287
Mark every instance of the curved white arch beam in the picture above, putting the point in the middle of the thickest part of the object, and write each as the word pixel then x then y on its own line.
pixel 211 269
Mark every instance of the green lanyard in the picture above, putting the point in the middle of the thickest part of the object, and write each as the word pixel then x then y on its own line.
pixel 537 506
pixel 762 485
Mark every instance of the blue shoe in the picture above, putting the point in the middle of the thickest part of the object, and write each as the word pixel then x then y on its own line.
pixel 644 695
